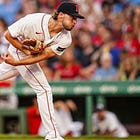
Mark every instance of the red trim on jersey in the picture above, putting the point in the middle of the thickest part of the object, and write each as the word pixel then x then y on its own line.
pixel 43 29
pixel 42 26
pixel 45 92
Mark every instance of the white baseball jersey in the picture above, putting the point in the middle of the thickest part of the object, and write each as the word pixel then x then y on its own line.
pixel 110 123
pixel 35 26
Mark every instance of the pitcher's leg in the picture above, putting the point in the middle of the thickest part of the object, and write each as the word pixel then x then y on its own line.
pixel 35 77
pixel 7 71
pixel 47 113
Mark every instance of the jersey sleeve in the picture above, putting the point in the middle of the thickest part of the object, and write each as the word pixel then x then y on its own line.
pixel 94 122
pixel 112 122
pixel 64 42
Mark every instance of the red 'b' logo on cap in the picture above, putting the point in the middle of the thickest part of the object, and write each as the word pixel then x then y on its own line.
pixel 77 8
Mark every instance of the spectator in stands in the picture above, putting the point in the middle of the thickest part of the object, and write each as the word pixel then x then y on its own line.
pixel 105 43
pixel 106 71
pixel 128 69
pixel 67 68
pixel 92 11
pixel 107 7
pixel 110 47
pixel 106 123
pixel 29 7
pixel 86 48
pixel 129 42
pixel 100 36
pixel 117 20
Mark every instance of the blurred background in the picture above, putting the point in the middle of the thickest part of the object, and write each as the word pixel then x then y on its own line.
pixel 105 51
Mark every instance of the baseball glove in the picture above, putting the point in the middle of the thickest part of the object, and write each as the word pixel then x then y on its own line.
pixel 34 46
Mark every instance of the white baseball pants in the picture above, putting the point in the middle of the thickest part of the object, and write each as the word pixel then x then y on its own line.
pixel 35 77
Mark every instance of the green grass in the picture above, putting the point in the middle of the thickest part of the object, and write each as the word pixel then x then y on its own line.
pixel 28 137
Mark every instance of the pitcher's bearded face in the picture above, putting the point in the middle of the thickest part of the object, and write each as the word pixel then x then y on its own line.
pixel 69 22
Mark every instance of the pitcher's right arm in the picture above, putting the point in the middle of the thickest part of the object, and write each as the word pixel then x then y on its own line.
pixel 16 43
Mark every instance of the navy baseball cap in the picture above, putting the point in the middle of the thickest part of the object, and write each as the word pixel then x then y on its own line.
pixel 70 9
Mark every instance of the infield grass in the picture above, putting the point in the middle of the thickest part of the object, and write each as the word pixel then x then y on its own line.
pixel 28 137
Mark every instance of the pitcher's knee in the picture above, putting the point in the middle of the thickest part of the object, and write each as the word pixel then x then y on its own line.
pixel 43 90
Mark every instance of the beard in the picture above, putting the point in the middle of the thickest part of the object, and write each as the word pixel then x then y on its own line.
pixel 67 28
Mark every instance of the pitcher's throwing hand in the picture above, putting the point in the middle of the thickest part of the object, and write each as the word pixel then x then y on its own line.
pixel 8 58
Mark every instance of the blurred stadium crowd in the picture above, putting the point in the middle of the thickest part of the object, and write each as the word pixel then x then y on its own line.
pixel 106 44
